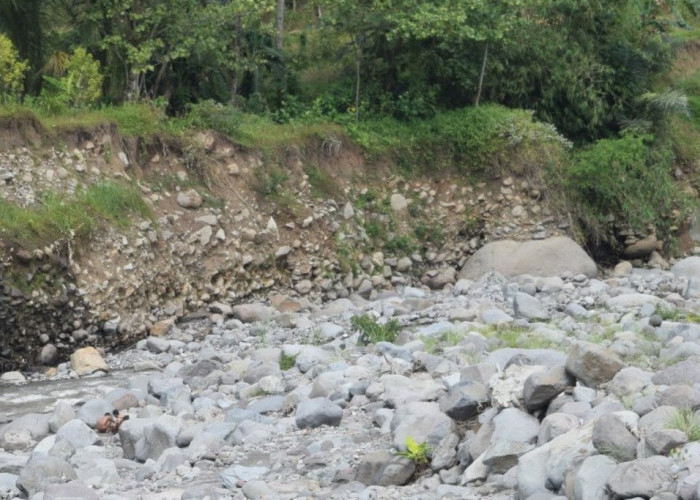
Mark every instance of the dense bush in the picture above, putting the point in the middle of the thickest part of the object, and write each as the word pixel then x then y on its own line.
pixel 626 180
pixel 12 72
pixel 78 85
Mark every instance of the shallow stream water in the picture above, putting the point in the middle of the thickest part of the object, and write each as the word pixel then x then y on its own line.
pixel 41 396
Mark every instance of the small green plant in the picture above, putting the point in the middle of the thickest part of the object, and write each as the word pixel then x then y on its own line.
pixel 365 198
pixel 435 343
pixel 686 420
pixel 400 245
pixel 287 361
pixel 372 332
pixel 416 452
pixel 322 183
pixel 668 313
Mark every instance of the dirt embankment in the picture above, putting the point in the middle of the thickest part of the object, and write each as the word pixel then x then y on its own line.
pixel 313 220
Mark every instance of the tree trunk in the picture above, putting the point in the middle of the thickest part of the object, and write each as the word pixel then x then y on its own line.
pixel 280 25
pixel 357 84
pixel 481 76
pixel 233 89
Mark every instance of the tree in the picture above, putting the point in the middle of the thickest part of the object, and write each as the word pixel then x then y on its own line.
pixel 453 22
pixel 12 71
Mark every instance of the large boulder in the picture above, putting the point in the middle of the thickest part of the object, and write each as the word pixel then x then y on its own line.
pixel 87 360
pixel 550 257
pixel 689 268
pixel 41 471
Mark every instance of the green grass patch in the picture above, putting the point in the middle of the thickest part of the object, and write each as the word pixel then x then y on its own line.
pixel 372 332
pixel 141 120
pixel 322 184
pixel 255 131
pixel 59 217
pixel 287 361
pixel 686 420
pixel 434 344
pixel 470 140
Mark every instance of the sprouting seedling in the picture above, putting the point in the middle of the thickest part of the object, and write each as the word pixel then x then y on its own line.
pixel 418 453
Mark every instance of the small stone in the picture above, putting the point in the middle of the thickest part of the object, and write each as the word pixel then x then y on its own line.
pixel 190 199
pixel 592 364
pixel 317 412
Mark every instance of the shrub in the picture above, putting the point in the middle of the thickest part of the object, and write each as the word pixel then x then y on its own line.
pixel 372 332
pixel 83 81
pixel 79 85
pixel 470 140
pixel 627 179
pixel 12 72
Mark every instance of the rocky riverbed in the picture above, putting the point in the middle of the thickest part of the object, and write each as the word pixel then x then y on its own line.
pixel 566 386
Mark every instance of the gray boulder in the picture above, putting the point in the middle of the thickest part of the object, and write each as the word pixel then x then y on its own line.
pixel 157 437
pixel 42 471
pixel 556 424
pixel 545 467
pixel 130 432
pixel 527 306
pixel 37 425
pixel 548 257
pixel 513 424
pixel 685 372
pixel 541 387
pixel 205 446
pixel 250 313
pixel 590 479
pixel 62 413
pixel 421 421
pixel 157 345
pixel 77 433
pixel 689 268
pixel 642 478
pixel 189 199
pixel 316 412
pixel 72 490
pixel 592 364
pixel 464 400
pixel 93 410
pixel 661 442
pixel 612 437
pixel 384 469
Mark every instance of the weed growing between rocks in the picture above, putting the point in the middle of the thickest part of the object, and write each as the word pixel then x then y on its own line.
pixel 372 332
pixel 435 344
pixel 287 361
pixel 686 420
pixel 416 452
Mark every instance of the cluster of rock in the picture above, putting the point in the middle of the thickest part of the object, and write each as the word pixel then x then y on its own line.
pixel 565 386
pixel 230 244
